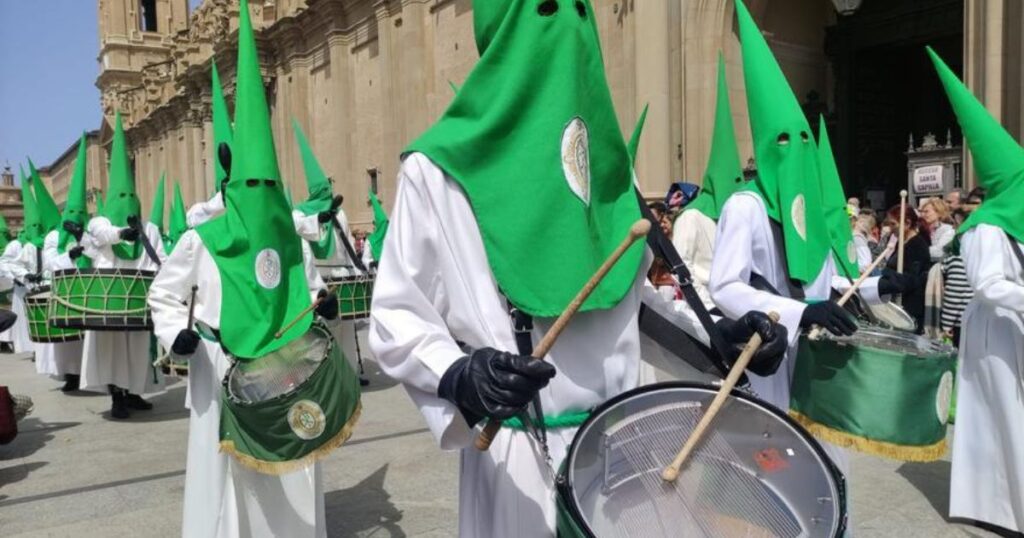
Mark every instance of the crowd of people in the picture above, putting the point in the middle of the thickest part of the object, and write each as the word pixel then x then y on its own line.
pixel 506 208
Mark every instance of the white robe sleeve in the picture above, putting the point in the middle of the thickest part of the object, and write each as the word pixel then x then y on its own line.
pixel 103 232
pixel 943 236
pixel 316 282
pixel 204 211
pixel 984 249
pixel 407 334
pixel 307 226
pixel 171 290
pixel 868 289
pixel 52 259
pixel 733 264
pixel 157 240
pixel 26 262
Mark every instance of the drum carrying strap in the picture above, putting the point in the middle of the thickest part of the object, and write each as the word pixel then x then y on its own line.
pixel 146 245
pixel 348 246
pixel 1016 250
pixel 522 327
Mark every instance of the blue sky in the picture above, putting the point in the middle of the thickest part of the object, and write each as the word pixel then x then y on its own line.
pixel 48 69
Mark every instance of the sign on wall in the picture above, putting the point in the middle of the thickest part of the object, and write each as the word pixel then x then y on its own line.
pixel 928 179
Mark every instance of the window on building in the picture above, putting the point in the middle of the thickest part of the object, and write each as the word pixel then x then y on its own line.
pixel 147 15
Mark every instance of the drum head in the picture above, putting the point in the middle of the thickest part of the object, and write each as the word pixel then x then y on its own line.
pixel 280 372
pixel 756 473
pixel 906 343
pixel 893 316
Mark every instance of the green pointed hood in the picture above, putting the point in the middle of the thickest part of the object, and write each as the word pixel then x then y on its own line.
pixel 787 160
pixel 998 158
pixel 5 233
pixel 380 227
pixel 833 202
pixel 253 243
pixel 724 173
pixel 76 208
pixel 634 140
pixel 122 202
pixel 156 211
pixel 32 231
pixel 178 221
pixel 221 127
pixel 538 144
pixel 320 195
pixel 49 213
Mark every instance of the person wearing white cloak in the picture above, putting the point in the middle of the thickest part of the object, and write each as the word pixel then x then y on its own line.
pixel 987 482
pixel 119 361
pixel 462 254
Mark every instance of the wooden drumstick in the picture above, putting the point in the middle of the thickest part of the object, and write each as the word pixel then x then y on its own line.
pixel 192 308
pixel 671 473
pixel 864 275
pixel 639 229
pixel 903 231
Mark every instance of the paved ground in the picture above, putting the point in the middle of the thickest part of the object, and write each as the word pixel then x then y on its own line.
pixel 73 472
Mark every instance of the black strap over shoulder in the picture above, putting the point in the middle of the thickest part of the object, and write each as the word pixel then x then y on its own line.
pixel 522 327
pixel 348 246
pixel 1016 249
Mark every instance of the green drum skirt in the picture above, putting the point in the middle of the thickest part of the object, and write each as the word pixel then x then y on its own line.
pixel 101 299
pixel 880 392
pixel 39 328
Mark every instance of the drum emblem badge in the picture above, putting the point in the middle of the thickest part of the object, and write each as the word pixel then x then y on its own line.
pixel 944 396
pixel 307 419
pixel 576 158
pixel 797 214
pixel 268 268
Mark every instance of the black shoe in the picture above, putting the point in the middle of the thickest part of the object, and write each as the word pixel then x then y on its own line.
pixel 134 401
pixel 363 382
pixel 70 383
pixel 118 409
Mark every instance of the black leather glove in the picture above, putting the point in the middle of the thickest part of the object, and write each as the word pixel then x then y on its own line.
pixel 493 384
pixel 73 228
pixel 75 252
pixel 828 316
pixel 129 234
pixel 186 342
pixel 327 216
pixel 328 307
pixel 774 341
pixel 893 283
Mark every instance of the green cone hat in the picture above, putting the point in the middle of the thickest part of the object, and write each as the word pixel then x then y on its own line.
pixel 49 213
pixel 319 189
pixel 787 161
pixel 380 227
pixel 32 231
pixel 75 209
pixel 156 211
pixel 998 158
pixel 221 127
pixel 724 173
pixel 833 201
pixel 178 221
pixel 634 140
pixel 254 245
pixel 121 202
pixel 5 233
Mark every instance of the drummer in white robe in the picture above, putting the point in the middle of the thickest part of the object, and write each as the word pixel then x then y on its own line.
pixel 8 246
pixel 222 497
pixel 462 246
pixel 987 482
pixel 114 360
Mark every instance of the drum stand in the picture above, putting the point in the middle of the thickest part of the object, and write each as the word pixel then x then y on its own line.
pixel 359 357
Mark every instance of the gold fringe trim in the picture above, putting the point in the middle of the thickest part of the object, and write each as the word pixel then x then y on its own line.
pixel 882 449
pixel 277 468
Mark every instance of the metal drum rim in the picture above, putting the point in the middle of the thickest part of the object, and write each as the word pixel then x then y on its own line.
pixel 102 271
pixel 563 482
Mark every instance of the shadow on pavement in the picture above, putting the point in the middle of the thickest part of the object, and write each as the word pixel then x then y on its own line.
pixel 17 473
pixel 364 507
pixel 932 480
pixel 33 434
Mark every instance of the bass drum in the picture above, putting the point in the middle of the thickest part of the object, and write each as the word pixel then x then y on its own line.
pixel 756 473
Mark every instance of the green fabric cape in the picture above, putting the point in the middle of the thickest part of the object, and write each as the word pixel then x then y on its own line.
pixel 49 213
pixel 253 243
pixel 724 173
pixel 122 202
pixel 32 231
pixel 833 201
pixel 998 158
pixel 156 211
pixel 380 227
pixel 787 173
pixel 222 131
pixel 179 222
pixel 76 208
pixel 502 141
pixel 320 195
pixel 634 140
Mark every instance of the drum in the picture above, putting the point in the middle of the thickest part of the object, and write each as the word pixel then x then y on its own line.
pixel 882 392
pixel 354 295
pixel 893 316
pixel 39 329
pixel 101 299
pixel 756 473
pixel 290 408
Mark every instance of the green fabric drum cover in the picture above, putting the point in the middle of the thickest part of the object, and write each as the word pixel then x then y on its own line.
pixel 101 299
pixel 882 392
pixel 354 295
pixel 39 328
pixel 290 408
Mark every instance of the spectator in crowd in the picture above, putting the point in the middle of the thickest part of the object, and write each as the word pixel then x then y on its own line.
pixel 935 215
pixel 957 291
pixel 917 260
pixel 659 274
pixel 853 205
pixel 954 200
pixel 864 225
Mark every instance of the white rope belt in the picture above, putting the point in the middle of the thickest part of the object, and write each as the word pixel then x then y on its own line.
pixel 88 310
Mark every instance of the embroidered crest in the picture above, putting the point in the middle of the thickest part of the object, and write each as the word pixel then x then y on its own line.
pixel 944 397
pixel 796 214
pixel 268 268
pixel 576 158
pixel 307 419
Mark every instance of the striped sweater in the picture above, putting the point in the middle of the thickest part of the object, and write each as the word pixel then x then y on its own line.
pixel 957 292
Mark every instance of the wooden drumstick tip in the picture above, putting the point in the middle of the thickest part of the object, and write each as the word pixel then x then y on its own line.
pixel 640 228
pixel 670 474
pixel 903 193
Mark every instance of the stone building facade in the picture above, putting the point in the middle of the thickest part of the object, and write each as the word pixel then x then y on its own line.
pixel 10 201
pixel 365 77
